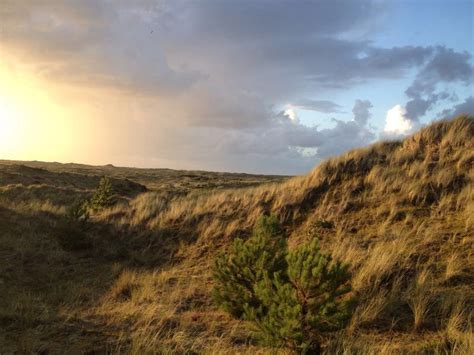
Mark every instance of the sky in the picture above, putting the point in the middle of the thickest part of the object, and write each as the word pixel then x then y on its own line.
pixel 267 86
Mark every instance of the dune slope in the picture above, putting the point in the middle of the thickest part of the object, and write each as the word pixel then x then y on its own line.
pixel 400 213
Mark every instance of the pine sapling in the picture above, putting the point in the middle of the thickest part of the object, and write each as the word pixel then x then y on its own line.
pixel 291 298
pixel 104 195
pixel 237 271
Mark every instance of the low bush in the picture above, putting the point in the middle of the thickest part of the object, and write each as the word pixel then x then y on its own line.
pixel 72 227
pixel 104 195
pixel 237 273
pixel 291 298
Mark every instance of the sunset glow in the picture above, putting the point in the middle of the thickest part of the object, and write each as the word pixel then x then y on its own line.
pixel 8 124
pixel 32 124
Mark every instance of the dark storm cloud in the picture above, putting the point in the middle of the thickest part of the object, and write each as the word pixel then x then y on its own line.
pixel 94 43
pixel 465 107
pixel 361 111
pixel 270 19
pixel 274 50
pixel 444 67
pixel 283 133
pixel 351 63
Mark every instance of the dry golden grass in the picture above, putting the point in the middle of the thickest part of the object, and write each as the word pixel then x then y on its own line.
pixel 402 215
pixel 454 266
pixel 369 309
pixel 419 297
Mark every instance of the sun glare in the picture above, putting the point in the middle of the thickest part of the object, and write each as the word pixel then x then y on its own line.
pixel 7 122
pixel 32 125
pixel 10 128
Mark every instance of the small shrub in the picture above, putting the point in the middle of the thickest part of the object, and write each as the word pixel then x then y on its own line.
pixel 291 298
pixel 72 227
pixel 78 212
pixel 237 273
pixel 104 195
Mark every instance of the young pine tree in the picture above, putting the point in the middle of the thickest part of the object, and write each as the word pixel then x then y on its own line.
pixel 238 271
pixel 309 302
pixel 73 226
pixel 104 195
pixel 291 298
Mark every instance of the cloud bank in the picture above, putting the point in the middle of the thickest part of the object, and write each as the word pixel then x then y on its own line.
pixel 218 84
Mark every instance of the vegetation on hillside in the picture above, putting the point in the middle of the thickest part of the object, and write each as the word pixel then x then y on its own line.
pixel 401 214
pixel 292 298
pixel 103 197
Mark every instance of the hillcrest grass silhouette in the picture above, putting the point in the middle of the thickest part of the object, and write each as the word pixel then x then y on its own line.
pixel 400 214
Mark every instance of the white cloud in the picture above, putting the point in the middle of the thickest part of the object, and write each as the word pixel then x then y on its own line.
pixel 291 114
pixel 397 122
pixel 307 152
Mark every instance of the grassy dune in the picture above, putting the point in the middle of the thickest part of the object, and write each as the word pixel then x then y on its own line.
pixel 401 213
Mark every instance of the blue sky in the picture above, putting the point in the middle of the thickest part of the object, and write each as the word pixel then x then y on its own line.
pixel 429 22
pixel 232 85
